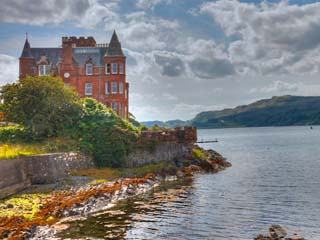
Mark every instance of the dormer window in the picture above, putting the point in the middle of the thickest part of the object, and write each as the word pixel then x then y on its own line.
pixel 114 68
pixel 89 69
pixel 108 68
pixel 44 70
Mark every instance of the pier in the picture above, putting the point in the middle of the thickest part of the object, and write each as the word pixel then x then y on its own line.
pixel 208 141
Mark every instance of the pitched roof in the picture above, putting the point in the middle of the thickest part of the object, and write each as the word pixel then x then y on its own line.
pixel 53 54
pixel 83 54
pixel 114 48
pixel 26 53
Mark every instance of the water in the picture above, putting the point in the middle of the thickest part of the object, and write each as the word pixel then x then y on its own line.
pixel 275 178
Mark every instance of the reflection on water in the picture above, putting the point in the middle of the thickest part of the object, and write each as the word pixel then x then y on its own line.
pixel 274 179
pixel 130 216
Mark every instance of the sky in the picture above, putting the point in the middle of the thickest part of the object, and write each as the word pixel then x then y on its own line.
pixel 183 56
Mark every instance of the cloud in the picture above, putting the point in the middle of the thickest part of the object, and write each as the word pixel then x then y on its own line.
pixel 276 87
pixel 85 13
pixel 9 69
pixel 269 38
pixel 147 4
pixel 169 96
pixel 211 68
pixel 187 111
pixel 171 64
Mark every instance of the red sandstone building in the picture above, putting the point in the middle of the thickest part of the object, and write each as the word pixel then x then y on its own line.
pixel 94 70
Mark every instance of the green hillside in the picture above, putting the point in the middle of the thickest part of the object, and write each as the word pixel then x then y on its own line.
pixel 277 111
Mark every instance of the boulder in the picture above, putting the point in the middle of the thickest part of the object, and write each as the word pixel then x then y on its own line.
pixel 277 232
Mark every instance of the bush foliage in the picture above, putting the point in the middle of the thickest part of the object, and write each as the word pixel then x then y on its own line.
pixel 43 105
pixel 46 108
pixel 102 134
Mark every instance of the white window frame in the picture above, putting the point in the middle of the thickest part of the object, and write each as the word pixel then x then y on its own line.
pixel 121 87
pixel 88 89
pixel 114 87
pixel 121 68
pixel 107 88
pixel 107 70
pixel 114 106
pixel 87 69
pixel 44 70
pixel 114 68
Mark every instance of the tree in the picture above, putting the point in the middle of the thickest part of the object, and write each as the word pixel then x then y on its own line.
pixel 103 134
pixel 44 105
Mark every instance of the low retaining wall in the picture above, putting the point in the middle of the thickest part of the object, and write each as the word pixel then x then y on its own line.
pixel 163 152
pixel 17 174
pixel 13 177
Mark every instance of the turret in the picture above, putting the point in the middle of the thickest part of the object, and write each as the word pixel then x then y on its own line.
pixel 114 48
pixel 27 64
pixel 115 69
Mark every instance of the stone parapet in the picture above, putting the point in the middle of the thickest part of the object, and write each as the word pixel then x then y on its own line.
pixel 186 134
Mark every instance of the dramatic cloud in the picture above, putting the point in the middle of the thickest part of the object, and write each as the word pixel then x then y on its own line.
pixel 87 13
pixel 270 38
pixel 171 64
pixel 183 63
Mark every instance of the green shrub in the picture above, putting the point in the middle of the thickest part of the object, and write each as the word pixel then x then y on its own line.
pixel 43 105
pixel 103 134
pixel 14 134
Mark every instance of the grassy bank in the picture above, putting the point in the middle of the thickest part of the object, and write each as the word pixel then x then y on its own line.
pixel 9 150
pixel 114 173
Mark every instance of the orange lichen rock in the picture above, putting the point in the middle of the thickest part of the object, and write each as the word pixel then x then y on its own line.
pixel 17 227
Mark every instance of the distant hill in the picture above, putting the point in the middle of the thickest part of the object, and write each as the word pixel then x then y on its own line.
pixel 170 123
pixel 277 111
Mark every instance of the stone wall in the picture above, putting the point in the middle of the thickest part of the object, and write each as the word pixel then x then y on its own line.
pixel 17 174
pixel 13 177
pixel 187 134
pixel 48 168
pixel 163 152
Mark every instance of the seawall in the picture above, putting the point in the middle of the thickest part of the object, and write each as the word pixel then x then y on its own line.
pixel 18 174
pixel 162 152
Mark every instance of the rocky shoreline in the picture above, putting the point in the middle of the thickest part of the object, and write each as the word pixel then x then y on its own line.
pixel 276 232
pixel 87 199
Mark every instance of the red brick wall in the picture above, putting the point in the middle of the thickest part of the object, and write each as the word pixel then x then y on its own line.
pixel 99 78
pixel 27 67
pixel 78 77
